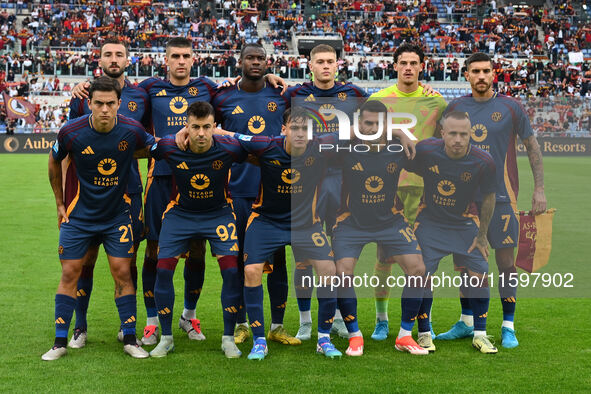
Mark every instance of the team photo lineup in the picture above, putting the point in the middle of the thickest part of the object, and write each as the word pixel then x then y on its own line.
pixel 331 188
pixel 234 165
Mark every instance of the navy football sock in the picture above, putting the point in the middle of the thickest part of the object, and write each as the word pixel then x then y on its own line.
pixel 230 296
pixel 423 322
pixel 253 298
pixel 164 292
pixel 127 307
pixel 64 309
pixel 194 275
pixel 83 296
pixel 303 293
pixel 410 302
pixel 327 304
pixel 508 293
pixel 148 282
pixel 347 304
pixel 278 288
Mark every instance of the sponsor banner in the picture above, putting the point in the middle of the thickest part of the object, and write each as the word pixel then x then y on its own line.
pixel 550 146
pixel 561 146
pixel 27 143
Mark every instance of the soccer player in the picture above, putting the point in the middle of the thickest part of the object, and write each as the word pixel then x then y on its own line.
pixel 371 213
pixel 407 95
pixel 496 121
pixel 285 214
pixel 134 103
pixel 346 97
pixel 253 107
pixel 453 170
pixel 102 146
pixel 169 101
pixel 201 210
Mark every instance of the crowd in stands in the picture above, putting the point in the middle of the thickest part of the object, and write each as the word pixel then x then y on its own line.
pixel 60 39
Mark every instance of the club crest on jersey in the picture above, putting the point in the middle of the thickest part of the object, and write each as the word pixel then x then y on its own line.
pixel 446 188
pixel 496 116
pixel 479 132
pixel 309 161
pixel 391 168
pixel 466 176
pixel 256 124
pixel 217 165
pixel 272 106
pixel 123 145
pixel 200 181
pixel 342 96
pixel 132 106
pixel 290 176
pixel 374 184
pixel 178 105
pixel 107 166
pixel 193 91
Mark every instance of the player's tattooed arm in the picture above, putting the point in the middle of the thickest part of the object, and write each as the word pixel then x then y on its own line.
pixel 538 202
pixel 55 180
pixel 486 212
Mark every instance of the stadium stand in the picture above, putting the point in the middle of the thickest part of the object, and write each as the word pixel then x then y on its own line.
pixel 541 49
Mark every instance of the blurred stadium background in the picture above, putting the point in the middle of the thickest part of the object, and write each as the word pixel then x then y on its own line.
pixel 542 49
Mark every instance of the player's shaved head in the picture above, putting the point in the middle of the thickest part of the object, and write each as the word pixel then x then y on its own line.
pixel 104 84
pixel 200 110
pixel 178 42
pixel 252 47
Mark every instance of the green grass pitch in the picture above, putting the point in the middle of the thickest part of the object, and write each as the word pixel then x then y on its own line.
pixel 554 354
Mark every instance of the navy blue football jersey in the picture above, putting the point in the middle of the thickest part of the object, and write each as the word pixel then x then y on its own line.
pixel 257 113
pixel 103 162
pixel 495 125
pixel 201 179
pixel 169 105
pixel 135 104
pixel 370 183
pixel 289 184
pixel 451 184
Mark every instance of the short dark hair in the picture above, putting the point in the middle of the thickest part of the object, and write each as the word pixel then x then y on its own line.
pixel 322 48
pixel 116 41
pixel 295 113
pixel 408 48
pixel 200 110
pixel 454 114
pixel 477 57
pixel 251 45
pixel 178 42
pixel 372 106
pixel 104 84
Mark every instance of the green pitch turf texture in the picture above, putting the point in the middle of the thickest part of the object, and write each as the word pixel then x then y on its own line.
pixel 554 333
